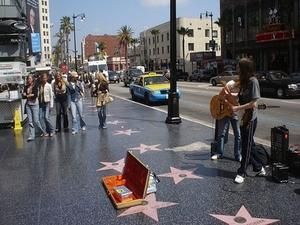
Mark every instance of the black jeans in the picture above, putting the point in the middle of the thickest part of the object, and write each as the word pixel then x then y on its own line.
pixel 62 111
pixel 249 154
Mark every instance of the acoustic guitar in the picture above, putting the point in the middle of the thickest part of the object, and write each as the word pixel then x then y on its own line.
pixel 220 106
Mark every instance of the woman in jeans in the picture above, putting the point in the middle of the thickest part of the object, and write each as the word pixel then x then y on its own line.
pixel 76 91
pixel 46 104
pixel 101 91
pixel 61 102
pixel 32 108
pixel 248 97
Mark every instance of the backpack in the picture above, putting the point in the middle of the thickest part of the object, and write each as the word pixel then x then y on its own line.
pixel 262 155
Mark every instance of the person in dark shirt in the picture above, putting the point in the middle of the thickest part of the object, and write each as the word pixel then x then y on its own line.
pixel 32 108
pixel 248 97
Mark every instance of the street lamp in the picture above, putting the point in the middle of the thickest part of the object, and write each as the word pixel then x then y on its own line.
pixel 173 98
pixel 212 42
pixel 82 17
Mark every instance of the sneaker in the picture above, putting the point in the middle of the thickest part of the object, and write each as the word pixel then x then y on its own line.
pixel 74 132
pixel 261 173
pixel 238 158
pixel 57 130
pixel 239 179
pixel 83 128
pixel 104 127
pixel 46 135
pixel 215 157
pixel 30 139
pixel 51 134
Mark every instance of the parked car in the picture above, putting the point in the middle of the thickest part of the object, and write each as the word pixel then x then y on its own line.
pixel 201 75
pixel 131 75
pixel 113 76
pixel 151 88
pixel 224 77
pixel 295 76
pixel 180 75
pixel 277 83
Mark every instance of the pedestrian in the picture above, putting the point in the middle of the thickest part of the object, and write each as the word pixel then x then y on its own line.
pixel 102 93
pixel 61 101
pixel 76 90
pixel 46 102
pixel 230 90
pixel 248 97
pixel 32 108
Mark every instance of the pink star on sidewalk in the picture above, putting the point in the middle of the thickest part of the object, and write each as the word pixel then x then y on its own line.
pixel 144 148
pixel 178 175
pixel 118 165
pixel 243 217
pixel 149 209
pixel 116 122
pixel 125 132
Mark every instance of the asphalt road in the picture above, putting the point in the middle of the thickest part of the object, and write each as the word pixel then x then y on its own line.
pixel 194 104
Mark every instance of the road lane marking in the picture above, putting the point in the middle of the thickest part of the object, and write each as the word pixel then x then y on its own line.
pixel 190 119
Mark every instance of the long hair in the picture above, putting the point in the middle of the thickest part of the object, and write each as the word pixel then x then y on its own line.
pixel 101 78
pixel 246 67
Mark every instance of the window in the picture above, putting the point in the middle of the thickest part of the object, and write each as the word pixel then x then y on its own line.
pixel 46 11
pixel 44 41
pixel 191 33
pixel 168 36
pixel 149 41
pixel 157 39
pixel 149 51
pixel 45 56
pixel 46 18
pixel 207 46
pixel 43 25
pixel 162 50
pixel 215 34
pixel 48 49
pixel 206 32
pixel 168 49
pixel 43 10
pixel 43 18
pixel 48 56
pixel 157 51
pixel 45 2
pixel 154 52
pixel 153 40
pixel 191 46
pixel 162 38
pixel 47 41
pixel 45 49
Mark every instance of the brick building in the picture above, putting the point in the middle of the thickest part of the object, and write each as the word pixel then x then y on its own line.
pixel 115 60
pixel 267 30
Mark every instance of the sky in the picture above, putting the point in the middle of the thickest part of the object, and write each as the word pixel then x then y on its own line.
pixel 107 16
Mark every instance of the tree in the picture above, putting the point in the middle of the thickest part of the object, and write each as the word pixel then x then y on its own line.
pixel 134 42
pixel 155 33
pixel 125 35
pixel 66 27
pixel 183 31
pixel 100 53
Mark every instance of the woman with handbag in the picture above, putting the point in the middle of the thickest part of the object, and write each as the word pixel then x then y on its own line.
pixel 103 98
pixel 32 108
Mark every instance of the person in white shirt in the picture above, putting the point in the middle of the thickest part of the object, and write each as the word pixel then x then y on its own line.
pixel 46 102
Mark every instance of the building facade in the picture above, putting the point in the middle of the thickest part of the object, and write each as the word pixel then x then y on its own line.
pixel 265 30
pixel 45 30
pixel 115 54
pixel 155 51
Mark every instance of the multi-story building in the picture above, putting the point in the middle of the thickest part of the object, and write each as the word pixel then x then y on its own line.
pixel 155 49
pixel 111 46
pixel 266 30
pixel 45 31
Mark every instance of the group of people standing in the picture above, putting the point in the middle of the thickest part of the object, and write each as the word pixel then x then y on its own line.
pixel 247 93
pixel 67 92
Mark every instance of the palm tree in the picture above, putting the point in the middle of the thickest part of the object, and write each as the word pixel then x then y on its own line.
pixel 101 46
pixel 134 42
pixel 183 31
pixel 155 33
pixel 67 27
pixel 58 52
pixel 125 35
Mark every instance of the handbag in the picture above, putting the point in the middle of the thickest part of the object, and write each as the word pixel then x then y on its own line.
pixel 108 98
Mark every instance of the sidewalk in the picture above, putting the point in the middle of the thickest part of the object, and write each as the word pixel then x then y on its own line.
pixel 55 180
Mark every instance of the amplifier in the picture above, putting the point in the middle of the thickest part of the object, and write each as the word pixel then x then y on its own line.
pixel 280 172
pixel 279 144
pixel 294 159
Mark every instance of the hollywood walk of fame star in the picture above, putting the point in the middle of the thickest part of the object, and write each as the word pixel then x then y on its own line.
pixel 115 122
pixel 178 175
pixel 149 209
pixel 244 217
pixel 118 165
pixel 126 132
pixel 144 148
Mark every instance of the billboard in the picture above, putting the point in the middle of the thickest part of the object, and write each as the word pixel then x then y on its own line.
pixel 33 20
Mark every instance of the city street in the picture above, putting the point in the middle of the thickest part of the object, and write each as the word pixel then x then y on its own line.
pixel 194 105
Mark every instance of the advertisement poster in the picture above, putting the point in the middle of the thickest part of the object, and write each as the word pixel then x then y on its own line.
pixel 33 20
